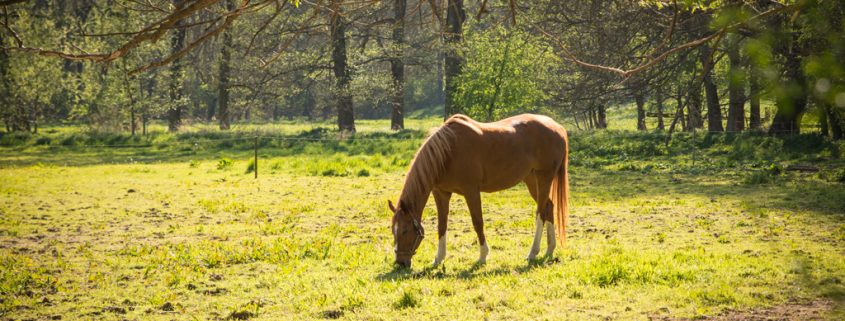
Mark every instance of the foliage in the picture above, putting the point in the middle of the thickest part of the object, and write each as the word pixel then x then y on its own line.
pixel 504 74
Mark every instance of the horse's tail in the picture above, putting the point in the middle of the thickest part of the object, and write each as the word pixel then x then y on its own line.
pixel 560 195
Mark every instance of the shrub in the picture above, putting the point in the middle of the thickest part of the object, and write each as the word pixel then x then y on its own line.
pixel 224 163
pixel 834 175
pixel 250 167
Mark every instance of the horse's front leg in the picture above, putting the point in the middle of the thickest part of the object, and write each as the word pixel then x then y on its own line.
pixel 474 203
pixel 441 199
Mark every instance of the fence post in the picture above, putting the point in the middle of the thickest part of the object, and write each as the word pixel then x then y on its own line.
pixel 255 161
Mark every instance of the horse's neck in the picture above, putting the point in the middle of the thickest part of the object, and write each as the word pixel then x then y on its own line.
pixel 415 198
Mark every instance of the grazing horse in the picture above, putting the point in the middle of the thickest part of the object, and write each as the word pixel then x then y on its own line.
pixel 467 157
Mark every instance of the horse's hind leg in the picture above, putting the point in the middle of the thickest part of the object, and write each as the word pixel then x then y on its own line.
pixel 441 199
pixel 549 220
pixel 474 203
pixel 539 184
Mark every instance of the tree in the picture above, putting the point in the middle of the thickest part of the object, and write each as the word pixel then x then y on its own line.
pixel 504 74
pixel 397 66
pixel 455 16
pixel 177 43
pixel 736 87
pixel 340 67
pixel 223 81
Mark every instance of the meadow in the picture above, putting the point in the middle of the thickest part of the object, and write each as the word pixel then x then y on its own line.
pixel 174 226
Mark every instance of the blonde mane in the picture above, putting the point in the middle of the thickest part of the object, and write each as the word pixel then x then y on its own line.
pixel 428 165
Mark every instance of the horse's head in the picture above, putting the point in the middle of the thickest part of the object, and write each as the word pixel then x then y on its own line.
pixel 408 233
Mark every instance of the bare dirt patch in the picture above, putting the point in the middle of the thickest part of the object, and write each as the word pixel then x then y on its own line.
pixel 814 310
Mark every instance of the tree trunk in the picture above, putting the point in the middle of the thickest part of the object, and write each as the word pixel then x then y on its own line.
pixel 658 100
pixel 694 120
pixel 225 60
pixel 639 98
pixel 824 126
pixel 343 95
pixel 132 124
pixel 736 89
pixel 679 105
pixel 15 113
pixel 602 116
pixel 792 102
pixel 455 16
pixel 5 88
pixel 174 114
pixel 834 120
pixel 397 66
pixel 211 109
pixel 714 111
pixel 754 121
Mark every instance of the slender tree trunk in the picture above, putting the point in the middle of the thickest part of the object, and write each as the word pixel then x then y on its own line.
pixel 754 121
pixel 211 109
pixel 694 120
pixel 397 66
pixel 714 111
pixel 5 88
pixel 455 16
pixel 132 124
pixel 736 89
pixel 679 104
pixel 658 100
pixel 639 98
pixel 834 121
pixel 824 126
pixel 223 85
pixel 277 112
pixel 308 104
pixel 343 78
pixel 174 114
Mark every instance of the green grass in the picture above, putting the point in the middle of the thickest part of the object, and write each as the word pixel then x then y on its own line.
pixel 165 232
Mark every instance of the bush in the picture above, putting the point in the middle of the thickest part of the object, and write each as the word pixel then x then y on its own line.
pixel 834 175
pixel 224 163
pixel 15 138
pixel 759 178
pixel 250 167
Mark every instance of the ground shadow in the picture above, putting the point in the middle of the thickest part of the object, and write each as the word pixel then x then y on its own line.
pixel 474 271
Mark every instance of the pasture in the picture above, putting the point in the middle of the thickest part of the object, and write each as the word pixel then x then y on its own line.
pixel 177 228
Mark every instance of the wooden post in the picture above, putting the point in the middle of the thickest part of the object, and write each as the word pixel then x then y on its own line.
pixel 255 161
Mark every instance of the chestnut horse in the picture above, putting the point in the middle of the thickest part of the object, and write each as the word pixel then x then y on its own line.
pixel 466 157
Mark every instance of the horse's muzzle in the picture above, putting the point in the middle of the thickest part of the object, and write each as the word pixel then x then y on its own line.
pixel 404 262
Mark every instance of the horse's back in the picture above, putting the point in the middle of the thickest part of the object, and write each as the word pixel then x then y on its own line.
pixel 500 154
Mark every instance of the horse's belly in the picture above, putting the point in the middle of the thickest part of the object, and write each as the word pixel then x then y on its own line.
pixel 498 186
pixel 497 181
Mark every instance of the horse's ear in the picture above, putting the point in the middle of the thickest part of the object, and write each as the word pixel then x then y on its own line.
pixel 390 205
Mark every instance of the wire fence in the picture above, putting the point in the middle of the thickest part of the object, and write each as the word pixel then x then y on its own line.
pixel 254 142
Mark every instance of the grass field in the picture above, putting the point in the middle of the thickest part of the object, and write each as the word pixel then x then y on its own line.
pixel 177 228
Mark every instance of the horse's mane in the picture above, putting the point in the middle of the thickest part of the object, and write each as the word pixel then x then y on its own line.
pixel 428 164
